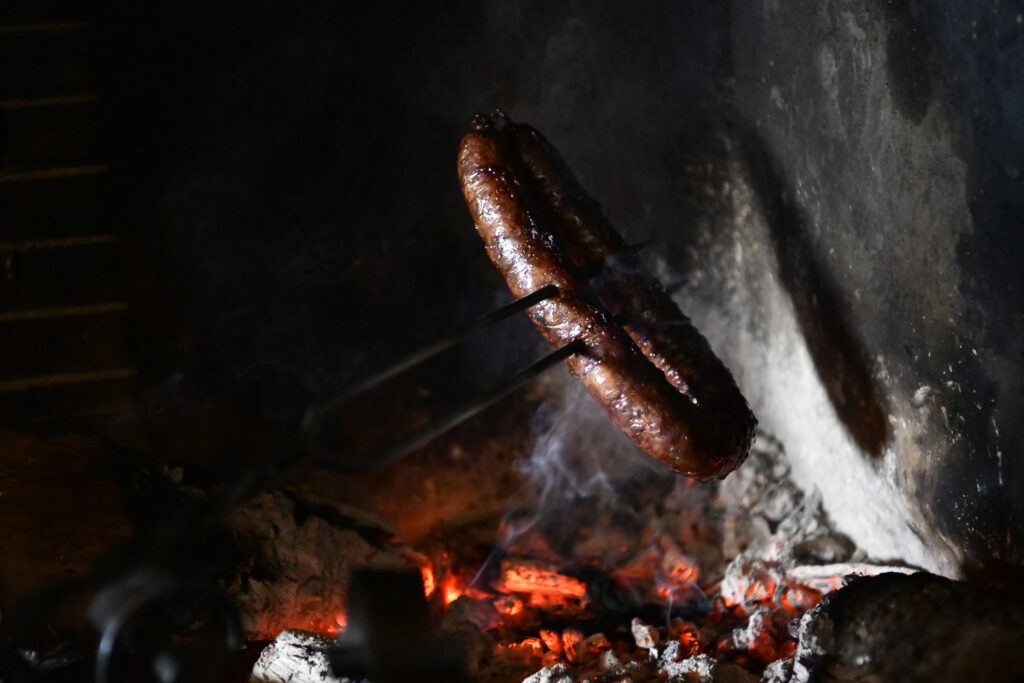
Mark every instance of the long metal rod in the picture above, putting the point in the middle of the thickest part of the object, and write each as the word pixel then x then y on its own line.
pixel 457 415
pixel 316 414
pixel 453 339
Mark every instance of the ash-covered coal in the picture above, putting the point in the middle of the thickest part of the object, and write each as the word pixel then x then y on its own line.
pixel 895 627
pixel 611 570
pixel 709 581
pixel 296 656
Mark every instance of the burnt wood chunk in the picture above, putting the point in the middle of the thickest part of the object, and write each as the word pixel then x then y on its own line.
pixel 921 627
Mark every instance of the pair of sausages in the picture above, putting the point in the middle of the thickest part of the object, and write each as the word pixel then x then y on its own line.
pixel 642 360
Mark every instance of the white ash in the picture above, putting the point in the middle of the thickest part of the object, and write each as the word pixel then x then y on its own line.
pixel 689 670
pixel 609 670
pixel 670 667
pixel 821 577
pixel 814 640
pixel 750 581
pixel 768 515
pixel 646 637
pixel 559 673
pixel 609 662
pixel 698 669
pixel 756 629
pixel 296 657
pixel 778 671
pixel 779 537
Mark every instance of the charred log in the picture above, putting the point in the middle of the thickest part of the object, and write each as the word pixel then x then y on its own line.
pixel 921 627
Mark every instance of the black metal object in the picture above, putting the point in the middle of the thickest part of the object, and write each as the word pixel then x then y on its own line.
pixel 389 637
pixel 318 415
pixel 179 607
pixel 459 414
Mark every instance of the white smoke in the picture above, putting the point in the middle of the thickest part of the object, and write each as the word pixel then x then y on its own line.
pixel 579 460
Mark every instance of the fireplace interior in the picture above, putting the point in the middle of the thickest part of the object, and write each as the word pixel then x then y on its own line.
pixel 222 221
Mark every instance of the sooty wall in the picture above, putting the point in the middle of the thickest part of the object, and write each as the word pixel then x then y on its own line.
pixel 839 189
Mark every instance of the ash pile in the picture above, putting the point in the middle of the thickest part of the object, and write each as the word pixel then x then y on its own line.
pixel 688 582
pixel 741 581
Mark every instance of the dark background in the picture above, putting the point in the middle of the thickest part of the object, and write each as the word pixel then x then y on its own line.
pixel 291 217
pixel 292 202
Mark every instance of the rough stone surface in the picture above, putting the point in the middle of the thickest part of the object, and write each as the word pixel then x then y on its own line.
pixel 922 627
pixel 893 133
pixel 298 564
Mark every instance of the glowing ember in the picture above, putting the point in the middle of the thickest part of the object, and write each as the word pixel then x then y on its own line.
pixel 552 640
pixel 800 598
pixel 476 593
pixel 596 644
pixel 571 638
pixel 528 651
pixel 429 584
pixel 680 568
pixel 530 576
pixel 531 646
pixel 509 605
pixel 688 636
pixel 750 584
pixel 451 589
pixel 670 558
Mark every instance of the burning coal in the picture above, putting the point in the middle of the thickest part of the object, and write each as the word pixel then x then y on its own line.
pixel 609 567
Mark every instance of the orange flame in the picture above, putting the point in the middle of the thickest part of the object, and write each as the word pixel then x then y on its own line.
pixel 509 605
pixel 552 640
pixel 429 583
pixel 340 624
pixel 451 589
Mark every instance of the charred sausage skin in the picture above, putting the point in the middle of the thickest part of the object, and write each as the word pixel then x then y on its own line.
pixel 624 286
pixel 514 217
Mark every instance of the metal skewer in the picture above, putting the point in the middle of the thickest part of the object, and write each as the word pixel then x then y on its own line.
pixel 455 416
pixel 317 415
pixel 446 343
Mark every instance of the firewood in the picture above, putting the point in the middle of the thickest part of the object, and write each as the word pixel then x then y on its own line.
pixel 920 627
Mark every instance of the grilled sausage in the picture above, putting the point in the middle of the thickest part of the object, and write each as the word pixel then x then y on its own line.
pixel 637 396
pixel 629 292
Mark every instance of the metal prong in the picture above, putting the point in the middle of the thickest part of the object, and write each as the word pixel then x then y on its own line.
pixel 316 413
pixel 457 415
